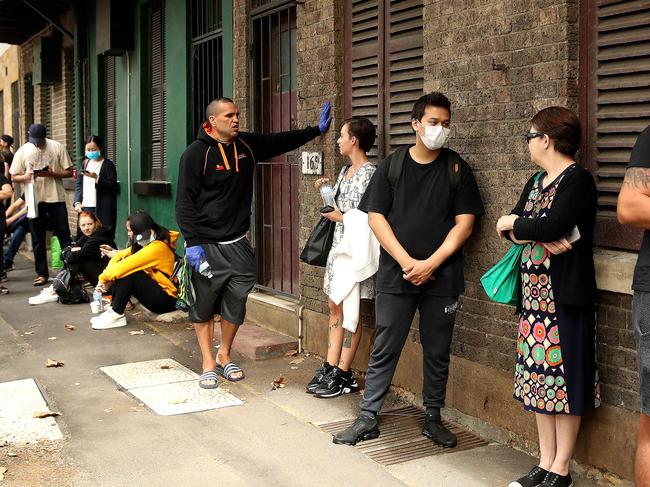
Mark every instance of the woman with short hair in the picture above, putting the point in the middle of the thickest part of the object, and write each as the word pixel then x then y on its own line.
pixel 555 370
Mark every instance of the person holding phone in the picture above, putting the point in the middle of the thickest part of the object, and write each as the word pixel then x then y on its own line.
pixel 334 377
pixel 96 187
pixel 555 370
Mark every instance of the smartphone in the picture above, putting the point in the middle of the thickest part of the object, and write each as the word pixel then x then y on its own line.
pixel 327 209
pixel 46 168
pixel 573 236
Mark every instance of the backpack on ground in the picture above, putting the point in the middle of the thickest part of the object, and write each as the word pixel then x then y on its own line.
pixel 68 289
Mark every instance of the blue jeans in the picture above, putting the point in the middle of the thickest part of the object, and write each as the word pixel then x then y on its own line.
pixel 55 215
pixel 18 231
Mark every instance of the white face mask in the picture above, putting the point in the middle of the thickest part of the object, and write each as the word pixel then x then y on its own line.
pixel 434 137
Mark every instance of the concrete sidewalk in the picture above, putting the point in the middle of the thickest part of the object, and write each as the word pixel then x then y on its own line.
pixel 112 440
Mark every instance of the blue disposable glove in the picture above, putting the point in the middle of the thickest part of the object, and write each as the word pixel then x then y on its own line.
pixel 194 255
pixel 325 118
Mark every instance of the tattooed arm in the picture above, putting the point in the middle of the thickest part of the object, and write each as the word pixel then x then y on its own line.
pixel 634 199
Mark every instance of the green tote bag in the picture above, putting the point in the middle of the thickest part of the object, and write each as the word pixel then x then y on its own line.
pixel 501 282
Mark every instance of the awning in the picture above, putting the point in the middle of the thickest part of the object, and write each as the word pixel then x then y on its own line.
pixel 19 22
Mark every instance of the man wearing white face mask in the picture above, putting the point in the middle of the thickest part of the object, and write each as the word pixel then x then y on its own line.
pixel 421 204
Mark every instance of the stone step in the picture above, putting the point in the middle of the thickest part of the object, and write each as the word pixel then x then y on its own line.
pixel 257 343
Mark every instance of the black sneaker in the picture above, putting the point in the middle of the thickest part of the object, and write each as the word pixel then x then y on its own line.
pixel 363 428
pixel 3 276
pixel 321 372
pixel 8 267
pixel 435 430
pixel 532 479
pixel 553 479
pixel 336 383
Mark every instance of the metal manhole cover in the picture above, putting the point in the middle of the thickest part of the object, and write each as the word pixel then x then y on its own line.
pixel 401 437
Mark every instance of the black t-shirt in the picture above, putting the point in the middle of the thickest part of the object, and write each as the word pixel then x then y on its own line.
pixel 641 158
pixel 3 181
pixel 421 214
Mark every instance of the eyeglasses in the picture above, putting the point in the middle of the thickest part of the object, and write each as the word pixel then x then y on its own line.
pixel 533 135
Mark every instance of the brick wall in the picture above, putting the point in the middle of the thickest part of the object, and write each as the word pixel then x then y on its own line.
pixel 320 78
pixel 241 64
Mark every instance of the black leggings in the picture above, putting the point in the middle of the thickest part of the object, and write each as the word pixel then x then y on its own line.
pixel 145 290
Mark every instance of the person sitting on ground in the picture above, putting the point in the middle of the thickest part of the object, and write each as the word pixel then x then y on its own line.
pixel 84 257
pixel 17 227
pixel 143 271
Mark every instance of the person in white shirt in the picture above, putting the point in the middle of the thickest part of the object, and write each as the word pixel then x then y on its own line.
pixel 43 163
pixel 96 188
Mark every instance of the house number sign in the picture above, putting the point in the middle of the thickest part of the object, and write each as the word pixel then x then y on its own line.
pixel 312 163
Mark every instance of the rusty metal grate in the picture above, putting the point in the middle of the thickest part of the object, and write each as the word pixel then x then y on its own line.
pixel 401 437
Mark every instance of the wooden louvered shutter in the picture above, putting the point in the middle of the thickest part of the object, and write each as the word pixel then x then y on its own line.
pixel 157 76
pixel 364 75
pixel 110 122
pixel 616 65
pixel 384 67
pixel 404 70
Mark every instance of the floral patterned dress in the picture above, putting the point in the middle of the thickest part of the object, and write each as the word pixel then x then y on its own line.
pixel 555 372
pixel 350 193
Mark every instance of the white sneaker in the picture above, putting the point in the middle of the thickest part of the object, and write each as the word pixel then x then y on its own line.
pixel 108 319
pixel 47 295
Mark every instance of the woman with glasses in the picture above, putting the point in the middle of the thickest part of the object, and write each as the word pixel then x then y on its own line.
pixel 555 370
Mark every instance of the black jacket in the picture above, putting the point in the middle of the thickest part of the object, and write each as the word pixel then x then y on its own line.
pixel 89 248
pixel 213 199
pixel 575 203
pixel 107 189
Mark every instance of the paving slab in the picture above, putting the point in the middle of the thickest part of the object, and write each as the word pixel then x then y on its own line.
pixel 19 400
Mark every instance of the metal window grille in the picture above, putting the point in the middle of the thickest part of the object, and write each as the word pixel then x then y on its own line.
pixel 384 67
pixel 46 108
pixel 158 168
pixel 207 57
pixel 615 60
pixel 29 106
pixel 274 102
pixel 110 120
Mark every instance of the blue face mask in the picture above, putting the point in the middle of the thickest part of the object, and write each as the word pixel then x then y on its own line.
pixel 94 154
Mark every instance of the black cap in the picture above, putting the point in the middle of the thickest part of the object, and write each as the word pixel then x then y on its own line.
pixel 641 152
pixel 37 133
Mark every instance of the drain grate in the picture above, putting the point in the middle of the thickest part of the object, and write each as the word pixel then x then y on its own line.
pixel 401 437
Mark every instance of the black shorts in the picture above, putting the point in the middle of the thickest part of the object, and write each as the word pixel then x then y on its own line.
pixel 234 275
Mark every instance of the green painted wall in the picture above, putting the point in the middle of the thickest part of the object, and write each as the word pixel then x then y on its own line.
pixel 132 82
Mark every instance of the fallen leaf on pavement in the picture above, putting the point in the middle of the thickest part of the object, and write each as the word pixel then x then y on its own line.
pixel 108 410
pixel 165 366
pixel 293 367
pixel 70 327
pixel 3 471
pixel 297 361
pixel 54 363
pixel 45 414
pixel 52 338
pixel 291 353
pixel 139 332
pixel 28 333
pixel 12 454
pixel 278 383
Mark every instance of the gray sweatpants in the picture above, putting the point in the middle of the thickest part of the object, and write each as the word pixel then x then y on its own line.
pixel 394 315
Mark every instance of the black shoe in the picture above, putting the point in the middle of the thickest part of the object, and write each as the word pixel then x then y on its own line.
pixel 553 479
pixel 321 372
pixel 363 428
pixel 8 267
pixel 336 383
pixel 434 429
pixel 532 479
pixel 3 276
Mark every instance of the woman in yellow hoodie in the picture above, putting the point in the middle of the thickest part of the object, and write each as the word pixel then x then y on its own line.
pixel 143 270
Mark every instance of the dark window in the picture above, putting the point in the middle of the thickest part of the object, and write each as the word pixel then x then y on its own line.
pixel 2 112
pixel 46 108
pixel 384 67
pixel 158 167
pixel 615 104
pixel 15 106
pixel 207 57
pixel 110 121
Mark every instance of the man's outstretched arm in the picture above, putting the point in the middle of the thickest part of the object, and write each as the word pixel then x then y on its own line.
pixel 634 199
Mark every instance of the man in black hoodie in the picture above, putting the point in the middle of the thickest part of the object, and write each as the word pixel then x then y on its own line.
pixel 213 208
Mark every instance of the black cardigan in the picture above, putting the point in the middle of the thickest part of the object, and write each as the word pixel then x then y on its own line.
pixel 572 273
pixel 107 188
pixel 90 248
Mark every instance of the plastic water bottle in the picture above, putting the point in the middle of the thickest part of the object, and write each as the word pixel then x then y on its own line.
pixel 327 193
pixel 205 269
pixel 96 305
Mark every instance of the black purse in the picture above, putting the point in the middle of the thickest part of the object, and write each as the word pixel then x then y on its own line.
pixel 319 243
